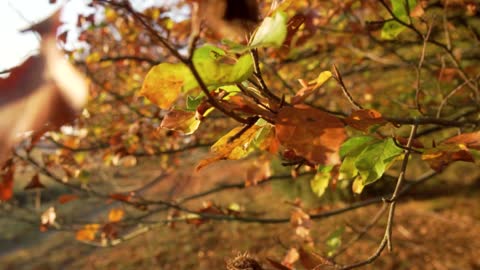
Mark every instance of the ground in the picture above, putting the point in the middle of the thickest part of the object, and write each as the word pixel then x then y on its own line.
pixel 436 229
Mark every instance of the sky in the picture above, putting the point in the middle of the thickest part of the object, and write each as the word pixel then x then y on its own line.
pixel 15 15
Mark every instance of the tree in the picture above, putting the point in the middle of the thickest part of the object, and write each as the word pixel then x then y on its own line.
pixel 381 84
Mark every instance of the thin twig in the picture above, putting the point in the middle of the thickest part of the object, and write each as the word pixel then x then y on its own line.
pixel 387 237
pixel 345 91
pixel 419 70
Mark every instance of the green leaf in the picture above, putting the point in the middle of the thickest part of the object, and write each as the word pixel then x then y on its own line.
pixel 165 82
pixel 272 32
pixel 355 144
pixel 375 159
pixel 334 241
pixel 392 29
pixel 209 61
pixel 320 181
pixel 193 102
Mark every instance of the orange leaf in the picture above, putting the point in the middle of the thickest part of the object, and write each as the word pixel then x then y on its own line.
pixel 34 183
pixel 364 119
pixel 121 197
pixel 313 134
pixel 115 215
pixel 6 186
pixel 88 232
pixel 67 198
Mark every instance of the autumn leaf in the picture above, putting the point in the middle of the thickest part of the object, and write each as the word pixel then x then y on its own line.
pixel 440 157
pixel 164 83
pixel 470 140
pixel 224 148
pixel 456 148
pixel 183 121
pixel 290 258
pixel 87 233
pixel 364 119
pixel 115 215
pixel 278 265
pixel 62 199
pixel 324 175
pixel 121 197
pixel 6 186
pixel 311 259
pixel 311 87
pixel 311 133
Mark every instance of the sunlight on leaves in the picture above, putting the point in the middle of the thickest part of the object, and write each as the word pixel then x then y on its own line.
pixel 115 215
pixel 87 233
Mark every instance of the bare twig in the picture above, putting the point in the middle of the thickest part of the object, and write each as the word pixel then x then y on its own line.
pixel 347 94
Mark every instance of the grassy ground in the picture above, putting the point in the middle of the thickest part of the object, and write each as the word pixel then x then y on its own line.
pixel 433 230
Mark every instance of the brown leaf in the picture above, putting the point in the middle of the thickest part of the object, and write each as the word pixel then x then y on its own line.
pixel 34 183
pixel 121 197
pixel 443 155
pixel 246 105
pixel 470 140
pixel 364 119
pixel 183 121
pixel 312 260
pixel 278 265
pixel 311 133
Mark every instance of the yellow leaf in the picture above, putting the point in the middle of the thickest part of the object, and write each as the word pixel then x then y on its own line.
pixel 115 215
pixel 164 83
pixel 224 148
